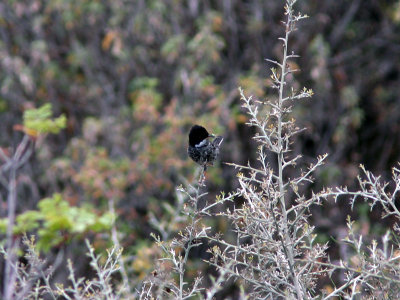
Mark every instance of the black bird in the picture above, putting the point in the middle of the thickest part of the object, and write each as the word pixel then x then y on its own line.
pixel 201 149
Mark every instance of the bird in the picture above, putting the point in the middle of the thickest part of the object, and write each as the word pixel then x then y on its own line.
pixel 201 150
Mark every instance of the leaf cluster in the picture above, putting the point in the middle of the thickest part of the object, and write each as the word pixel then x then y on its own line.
pixel 57 221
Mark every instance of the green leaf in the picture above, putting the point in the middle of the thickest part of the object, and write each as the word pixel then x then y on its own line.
pixel 27 221
pixel 3 225
pixel 57 221
pixel 39 120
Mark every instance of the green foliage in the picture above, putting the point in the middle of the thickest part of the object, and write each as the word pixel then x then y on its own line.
pixel 39 120
pixel 3 105
pixel 57 221
pixel 145 98
pixel 329 173
pixel 103 177
pixel 142 83
pixel 173 47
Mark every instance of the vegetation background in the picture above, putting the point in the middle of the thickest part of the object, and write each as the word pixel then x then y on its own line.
pixel 131 78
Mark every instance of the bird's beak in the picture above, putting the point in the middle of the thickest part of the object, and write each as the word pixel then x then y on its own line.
pixel 211 135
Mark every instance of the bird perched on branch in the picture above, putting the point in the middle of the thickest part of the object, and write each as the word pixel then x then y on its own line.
pixel 201 149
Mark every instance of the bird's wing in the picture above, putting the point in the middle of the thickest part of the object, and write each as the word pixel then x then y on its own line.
pixel 218 140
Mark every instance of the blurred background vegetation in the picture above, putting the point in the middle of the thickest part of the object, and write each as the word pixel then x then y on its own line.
pixel 131 77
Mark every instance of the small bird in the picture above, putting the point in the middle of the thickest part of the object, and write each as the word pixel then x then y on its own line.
pixel 201 149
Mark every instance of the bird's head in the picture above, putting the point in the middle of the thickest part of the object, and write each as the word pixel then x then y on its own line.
pixel 198 134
